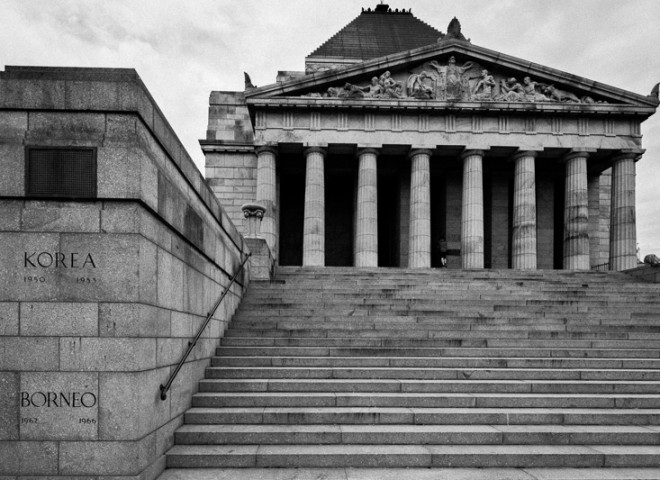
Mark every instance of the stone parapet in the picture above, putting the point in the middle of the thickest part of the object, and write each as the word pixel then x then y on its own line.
pixel 646 273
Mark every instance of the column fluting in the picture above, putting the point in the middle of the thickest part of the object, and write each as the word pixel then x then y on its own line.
pixel 524 212
pixel 623 228
pixel 366 228
pixel 314 210
pixel 472 213
pixel 419 245
pixel 576 213
pixel 267 194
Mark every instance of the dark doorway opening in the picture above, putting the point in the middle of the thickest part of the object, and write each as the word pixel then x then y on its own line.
pixel 389 211
pixel 292 205
pixel 339 233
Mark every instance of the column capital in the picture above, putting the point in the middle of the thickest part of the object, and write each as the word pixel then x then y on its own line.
pixel 524 153
pixel 364 150
pixel 419 151
pixel 578 153
pixel 254 213
pixel 315 149
pixel 253 210
pixel 473 151
pixel 628 154
pixel 266 149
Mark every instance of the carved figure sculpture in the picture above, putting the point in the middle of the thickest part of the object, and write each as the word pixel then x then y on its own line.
pixel 451 83
pixel 531 93
pixel 335 92
pixel 512 90
pixel 374 90
pixel 455 78
pixel 352 91
pixel 484 88
pixel 652 260
pixel 416 88
pixel 560 95
pixel 390 87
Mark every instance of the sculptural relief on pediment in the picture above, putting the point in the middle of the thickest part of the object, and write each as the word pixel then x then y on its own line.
pixel 453 82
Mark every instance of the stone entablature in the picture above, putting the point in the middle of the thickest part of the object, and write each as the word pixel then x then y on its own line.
pixel 273 123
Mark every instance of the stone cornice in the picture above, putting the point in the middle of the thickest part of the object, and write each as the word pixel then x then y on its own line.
pixel 445 106
pixel 215 146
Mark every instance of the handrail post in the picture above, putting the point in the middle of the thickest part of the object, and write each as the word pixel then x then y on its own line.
pixel 164 388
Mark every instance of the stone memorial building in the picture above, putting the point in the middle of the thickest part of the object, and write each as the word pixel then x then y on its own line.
pixel 282 318
pixel 397 137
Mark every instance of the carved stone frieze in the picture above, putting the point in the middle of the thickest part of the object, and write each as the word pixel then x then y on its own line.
pixel 467 82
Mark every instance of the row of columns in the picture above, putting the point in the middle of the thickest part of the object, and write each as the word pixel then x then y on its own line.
pixel 524 254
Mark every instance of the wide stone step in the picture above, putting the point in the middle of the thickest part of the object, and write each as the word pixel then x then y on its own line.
pixel 422 416
pixel 427 386
pixel 463 303
pixel 494 351
pixel 471 308
pixel 434 373
pixel 411 474
pixel 421 332
pixel 440 341
pixel 418 434
pixel 424 400
pixel 371 456
pixel 437 362
pixel 348 319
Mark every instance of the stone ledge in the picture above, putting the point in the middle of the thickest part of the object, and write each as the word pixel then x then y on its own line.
pixel 444 106
pixel 645 272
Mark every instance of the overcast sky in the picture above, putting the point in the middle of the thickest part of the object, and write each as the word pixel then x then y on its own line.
pixel 185 49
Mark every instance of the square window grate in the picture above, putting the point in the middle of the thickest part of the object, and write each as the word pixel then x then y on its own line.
pixel 61 172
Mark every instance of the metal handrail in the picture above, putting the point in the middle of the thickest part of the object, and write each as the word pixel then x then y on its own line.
pixel 191 345
pixel 601 267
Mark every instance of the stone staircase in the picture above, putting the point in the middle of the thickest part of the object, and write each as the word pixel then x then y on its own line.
pixel 341 373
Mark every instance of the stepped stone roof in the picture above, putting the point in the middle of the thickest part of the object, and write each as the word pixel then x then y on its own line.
pixel 378 32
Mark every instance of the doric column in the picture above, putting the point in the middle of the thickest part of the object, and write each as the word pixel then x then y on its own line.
pixel 472 219
pixel 623 234
pixel 576 212
pixel 366 227
pixel 419 245
pixel 267 194
pixel 314 223
pixel 524 212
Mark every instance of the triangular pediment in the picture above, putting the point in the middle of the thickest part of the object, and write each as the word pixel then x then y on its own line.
pixel 451 72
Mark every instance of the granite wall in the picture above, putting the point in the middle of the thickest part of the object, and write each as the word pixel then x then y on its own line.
pixel 100 296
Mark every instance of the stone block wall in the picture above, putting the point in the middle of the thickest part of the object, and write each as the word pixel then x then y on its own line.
pixel 232 177
pixel 100 296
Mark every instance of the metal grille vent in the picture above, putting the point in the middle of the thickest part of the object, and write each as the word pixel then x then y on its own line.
pixel 60 172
